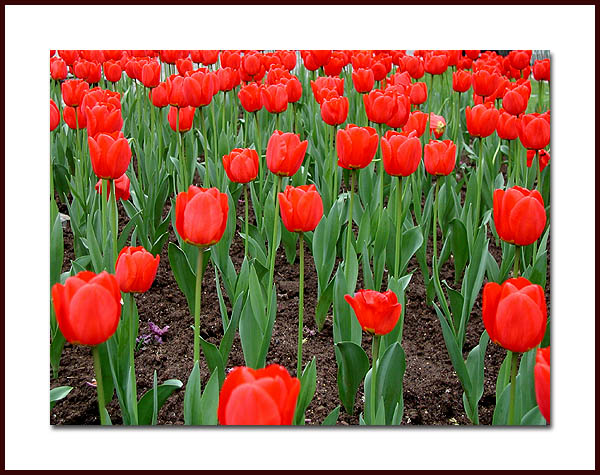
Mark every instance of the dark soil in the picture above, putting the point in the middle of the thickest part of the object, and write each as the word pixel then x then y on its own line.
pixel 432 391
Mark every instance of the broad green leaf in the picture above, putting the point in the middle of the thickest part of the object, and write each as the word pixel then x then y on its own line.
pixel 192 407
pixel 353 365
pixel 475 367
pixel 533 418
pixel 332 417
pixel 308 384
pixel 209 403
pixel 213 359
pixel 183 273
pixel 59 393
pixel 162 393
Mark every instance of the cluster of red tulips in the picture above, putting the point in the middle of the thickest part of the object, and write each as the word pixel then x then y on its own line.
pixel 404 165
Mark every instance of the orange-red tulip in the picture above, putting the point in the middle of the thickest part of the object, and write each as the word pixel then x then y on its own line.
pixel 436 63
pixel 401 112
pixel 274 98
pixel 514 314
pixel 104 117
pixel 250 97
pixel 543 157
pixel 228 78
pixel 69 55
pixel 135 269
pixel 534 130
pixel 356 146
pixel 58 69
pixel 440 157
pixel 506 127
pixel 87 307
pixel 112 71
pixel 326 83
pixel 515 101
pixel 417 93
pixel 293 87
pixel 334 111
pixel 265 396
pixel 285 153
pixel 177 97
pixel 520 59
pixel 414 66
pixel 542 381
pixel 184 65
pixel 121 188
pixel 541 69
pixel 301 208
pixel 230 59
pixel 160 95
pixel 241 165
pixel 201 215
pixel 54 116
pixel 437 125
pixel 519 215
pixel 401 153
pixel 461 81
pixel 150 74
pixel 379 106
pixel 186 118
pixel 73 91
pixel 199 88
pixel 71 121
pixel 110 155
pixel 417 121
pixel 482 119
pixel 484 82
pixel 377 312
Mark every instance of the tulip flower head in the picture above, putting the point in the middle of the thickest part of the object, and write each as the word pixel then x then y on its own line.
pixel 437 125
pixel 482 120
pixel 417 121
pixel 334 110
pixel 356 146
pixel 542 381
pixel 377 312
pixel 54 115
pixel 264 396
pixel 440 157
pixel 87 307
pixel 250 97
pixel 73 91
pixel 514 314
pixel 541 69
pixel 121 188
pixel 285 153
pixel 136 269
pixel 543 157
pixel 186 118
pixel 241 165
pixel 201 215
pixel 534 131
pixel 519 215
pixel 401 153
pixel 110 155
pixel 506 127
pixel 301 208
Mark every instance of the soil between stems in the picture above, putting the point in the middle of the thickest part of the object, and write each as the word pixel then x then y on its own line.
pixel 432 391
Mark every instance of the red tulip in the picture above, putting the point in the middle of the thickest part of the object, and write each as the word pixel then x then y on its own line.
pixel 285 153
pixel 520 59
pixel 94 73
pixel 293 87
pixel 543 157
pixel 201 215
pixel 399 79
pixel 228 78
pixel 335 64
pixel 250 97
pixel 199 88
pixel 70 56
pixel 541 69
pixel 440 157
pixel 515 101
pixel 274 98
pixel 87 307
pixel 437 125
pixel 436 64
pixel 473 53
pixel 177 97
pixel 301 208
pixel 110 155
pixel 417 121
pixel 151 74
pixel 334 111
pixel 121 188
pixel 230 59
pixel 135 269
pixel 417 93
pixel 324 83
pixel 160 95
pixel 401 112
pixel 484 82
pixel 461 81
pixel 401 153
pixel 377 312
pixel 69 117
pixel 519 215
pixel 514 314
pixel 251 64
pixel 241 165
pixel 506 127
pixel 414 66
pixel 112 71
pixel 542 381
pixel 184 65
pixel 103 117
pixel 356 146
pixel 464 62
pixel 73 91
pixel 58 69
pixel 54 116
pixel 379 106
pixel 482 119
pixel 534 130
pixel 288 59
pixel 362 60
pixel 206 57
pixel 265 396
pixel 186 118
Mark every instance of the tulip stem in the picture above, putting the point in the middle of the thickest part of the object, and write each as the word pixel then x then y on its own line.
pixel 300 308
pixel 132 330
pixel 273 244
pixel 399 223
pixel 517 259
pixel 245 219
pixel 260 159
pixel 375 354
pixel 215 152
pixel 333 165
pixel 435 217
pixel 104 199
pixel 276 121
pixel 204 147
pixel 537 170
pixel 197 304
pixel 479 172
pixel 513 386
pixel 380 167
pixel 113 201
pixel 349 235
pixel 99 386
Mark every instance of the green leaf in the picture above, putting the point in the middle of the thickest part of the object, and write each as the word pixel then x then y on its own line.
pixel 332 417
pixel 308 384
pixel 184 275
pixel 390 375
pixel 59 393
pixel 92 245
pixel 460 248
pixel 353 365
pixel 503 379
pixel 210 402
pixel 213 359
pixel 162 393
pixel 192 407
pixel 56 250
pixel 533 418
pixel 323 305
pixel 475 366
pixel 56 349
pixel 227 340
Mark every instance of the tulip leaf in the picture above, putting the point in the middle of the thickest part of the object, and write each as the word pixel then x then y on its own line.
pixel 366 267
pixel 209 403
pixel 460 248
pixel 353 365
pixel 475 366
pixel 232 326
pixel 412 240
pixel 533 418
pixel 323 305
pixel 526 382
pixel 308 385
pixel 250 335
pixel 503 378
pixel 332 417
pixel 56 394
pixel 192 407
pixel 56 250
pixel 184 275
pixel 214 359
pixel 289 241
pixel 492 270
pixel 56 349
pixel 162 393
pixel 390 375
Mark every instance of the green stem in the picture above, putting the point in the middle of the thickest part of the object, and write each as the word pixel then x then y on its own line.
pixel 536 164
pixel 435 216
pixel 113 201
pixel 197 304
pixel 212 112
pixel 261 167
pixel 517 259
pixel 333 166
pixel 513 386
pixel 479 181
pixel 398 228
pixel 380 167
pixel 104 199
pixel 350 235
pixel 99 386
pixel 132 330
pixel 273 245
pixel 206 159
pixel 539 104
pixel 375 352
pixel 246 219
pixel 300 307
pixel 276 121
